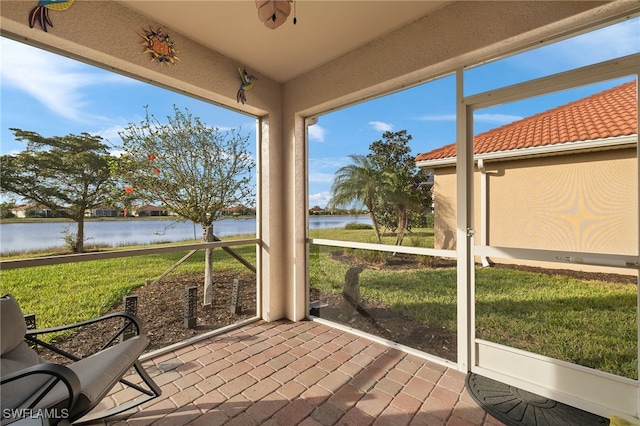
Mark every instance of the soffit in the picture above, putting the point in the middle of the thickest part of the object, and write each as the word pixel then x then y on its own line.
pixel 324 31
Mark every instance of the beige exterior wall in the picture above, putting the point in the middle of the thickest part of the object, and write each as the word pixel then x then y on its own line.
pixel 444 208
pixel 581 202
pixel 105 33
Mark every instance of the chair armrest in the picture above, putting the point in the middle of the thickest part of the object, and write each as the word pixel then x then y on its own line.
pixel 130 321
pixel 58 373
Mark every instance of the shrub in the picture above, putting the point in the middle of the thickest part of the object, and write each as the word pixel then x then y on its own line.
pixel 425 261
pixel 429 220
pixel 357 225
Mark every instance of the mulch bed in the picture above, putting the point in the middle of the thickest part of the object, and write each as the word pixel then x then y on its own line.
pixel 161 309
pixel 380 320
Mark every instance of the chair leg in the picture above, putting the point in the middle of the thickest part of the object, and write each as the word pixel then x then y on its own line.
pixel 152 392
pixel 153 387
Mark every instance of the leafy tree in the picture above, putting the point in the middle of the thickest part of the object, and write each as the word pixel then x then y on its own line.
pixel 5 209
pixel 68 174
pixel 420 213
pixel 392 157
pixel 387 182
pixel 358 183
pixel 195 170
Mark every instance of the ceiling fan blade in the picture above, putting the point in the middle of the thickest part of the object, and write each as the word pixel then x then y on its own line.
pixel 266 9
pixel 273 13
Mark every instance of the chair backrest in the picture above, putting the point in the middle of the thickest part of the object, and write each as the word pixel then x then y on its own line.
pixel 12 325
pixel 16 354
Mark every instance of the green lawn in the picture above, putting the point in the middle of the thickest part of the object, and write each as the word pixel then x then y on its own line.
pixel 61 294
pixel 590 323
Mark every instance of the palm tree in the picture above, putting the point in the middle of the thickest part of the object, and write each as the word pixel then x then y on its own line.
pixel 359 182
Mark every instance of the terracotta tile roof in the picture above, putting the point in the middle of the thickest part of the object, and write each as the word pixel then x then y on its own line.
pixel 606 114
pixel 151 208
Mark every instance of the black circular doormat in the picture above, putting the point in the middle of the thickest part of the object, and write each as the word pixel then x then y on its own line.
pixel 517 407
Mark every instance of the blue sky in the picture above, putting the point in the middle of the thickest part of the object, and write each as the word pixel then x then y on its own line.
pixel 56 96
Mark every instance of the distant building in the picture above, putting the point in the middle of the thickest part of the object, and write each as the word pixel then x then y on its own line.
pixel 238 211
pixel 33 210
pixel 317 210
pixel 104 211
pixel 151 210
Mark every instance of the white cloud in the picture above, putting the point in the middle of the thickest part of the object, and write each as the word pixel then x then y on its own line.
pixel 56 82
pixel 319 177
pixel 609 42
pixel 481 118
pixel 497 118
pixel 249 126
pixel 319 199
pixel 110 134
pixel 381 126
pixel 323 170
pixel 327 163
pixel 13 151
pixel 439 117
pixel 586 49
pixel 316 133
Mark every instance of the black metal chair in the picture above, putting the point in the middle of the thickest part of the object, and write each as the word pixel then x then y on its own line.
pixel 31 387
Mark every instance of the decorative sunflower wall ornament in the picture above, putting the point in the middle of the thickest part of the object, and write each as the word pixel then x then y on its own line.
pixel 159 46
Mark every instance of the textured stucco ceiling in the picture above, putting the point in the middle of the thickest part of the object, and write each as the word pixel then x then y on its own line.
pixel 324 31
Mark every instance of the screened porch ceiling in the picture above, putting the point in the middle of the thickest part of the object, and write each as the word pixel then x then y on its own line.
pixel 324 31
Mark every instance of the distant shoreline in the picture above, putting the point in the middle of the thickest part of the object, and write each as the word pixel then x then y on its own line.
pixel 120 218
pixel 23 235
pixel 107 219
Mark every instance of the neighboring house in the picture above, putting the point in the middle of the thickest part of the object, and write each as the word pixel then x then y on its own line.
pixel 33 210
pixel 150 210
pixel 238 211
pixel 316 210
pixel 104 211
pixel 564 179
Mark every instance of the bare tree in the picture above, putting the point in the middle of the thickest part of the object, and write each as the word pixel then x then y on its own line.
pixel 194 170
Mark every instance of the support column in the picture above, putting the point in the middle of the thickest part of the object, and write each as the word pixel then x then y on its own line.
pixel 464 227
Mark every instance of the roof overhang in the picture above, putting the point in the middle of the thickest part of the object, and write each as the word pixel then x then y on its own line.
pixel 540 151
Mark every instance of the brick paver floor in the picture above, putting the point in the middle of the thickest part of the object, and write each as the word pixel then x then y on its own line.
pixel 304 373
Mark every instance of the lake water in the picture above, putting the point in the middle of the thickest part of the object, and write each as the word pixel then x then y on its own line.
pixel 17 237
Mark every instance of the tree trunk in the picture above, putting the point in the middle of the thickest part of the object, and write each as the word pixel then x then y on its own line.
pixel 207 237
pixel 402 225
pixel 375 225
pixel 79 244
